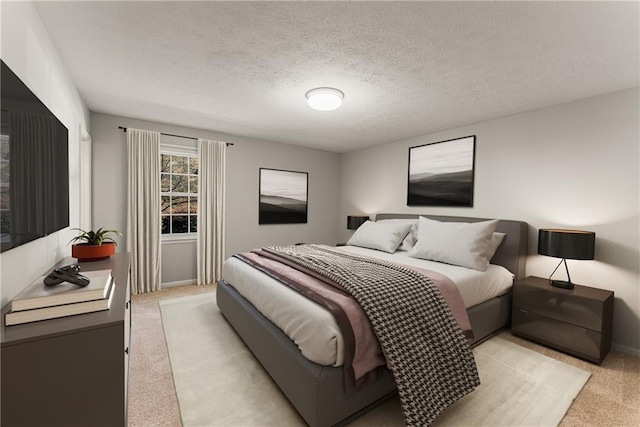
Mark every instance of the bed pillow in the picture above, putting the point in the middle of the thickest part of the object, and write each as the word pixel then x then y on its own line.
pixel 412 235
pixel 383 236
pixel 466 244
pixel 496 240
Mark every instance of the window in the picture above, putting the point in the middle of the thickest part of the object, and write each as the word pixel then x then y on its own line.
pixel 179 194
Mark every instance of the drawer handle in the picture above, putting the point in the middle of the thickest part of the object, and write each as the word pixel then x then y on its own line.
pixel 126 306
pixel 126 350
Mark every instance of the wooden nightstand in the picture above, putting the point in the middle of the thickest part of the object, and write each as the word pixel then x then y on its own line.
pixel 577 321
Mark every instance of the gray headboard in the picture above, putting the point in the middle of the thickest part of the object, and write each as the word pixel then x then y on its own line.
pixel 511 254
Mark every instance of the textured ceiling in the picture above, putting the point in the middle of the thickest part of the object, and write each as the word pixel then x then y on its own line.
pixel 406 68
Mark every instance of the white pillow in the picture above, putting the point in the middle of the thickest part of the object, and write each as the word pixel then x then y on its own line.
pixel 383 236
pixel 496 239
pixel 411 237
pixel 466 244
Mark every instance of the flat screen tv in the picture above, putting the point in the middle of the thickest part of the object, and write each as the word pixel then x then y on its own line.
pixel 34 166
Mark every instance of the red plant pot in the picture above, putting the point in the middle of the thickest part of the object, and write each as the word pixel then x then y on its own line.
pixel 86 252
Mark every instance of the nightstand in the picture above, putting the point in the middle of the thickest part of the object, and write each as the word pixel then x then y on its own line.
pixel 577 321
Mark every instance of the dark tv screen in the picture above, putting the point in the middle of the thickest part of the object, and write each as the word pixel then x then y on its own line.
pixel 34 166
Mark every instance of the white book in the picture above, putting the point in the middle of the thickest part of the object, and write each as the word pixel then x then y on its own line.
pixel 38 295
pixel 36 314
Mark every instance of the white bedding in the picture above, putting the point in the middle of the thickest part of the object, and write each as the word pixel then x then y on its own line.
pixel 314 329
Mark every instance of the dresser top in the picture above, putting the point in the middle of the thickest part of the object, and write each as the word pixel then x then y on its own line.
pixel 119 265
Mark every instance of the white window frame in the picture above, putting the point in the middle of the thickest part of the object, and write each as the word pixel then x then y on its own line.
pixel 178 150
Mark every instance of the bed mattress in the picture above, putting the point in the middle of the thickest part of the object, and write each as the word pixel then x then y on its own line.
pixel 314 330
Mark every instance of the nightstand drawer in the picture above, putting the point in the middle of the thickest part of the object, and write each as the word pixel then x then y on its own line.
pixel 564 307
pixel 581 342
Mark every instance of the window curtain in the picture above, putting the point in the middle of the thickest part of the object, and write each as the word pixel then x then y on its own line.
pixel 143 209
pixel 210 210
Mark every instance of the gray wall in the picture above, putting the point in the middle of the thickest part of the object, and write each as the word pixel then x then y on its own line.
pixel 243 162
pixel 30 53
pixel 574 165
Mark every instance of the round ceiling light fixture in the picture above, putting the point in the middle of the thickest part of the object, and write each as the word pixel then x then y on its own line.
pixel 324 98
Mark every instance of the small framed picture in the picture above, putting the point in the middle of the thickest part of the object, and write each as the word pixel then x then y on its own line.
pixel 442 173
pixel 283 197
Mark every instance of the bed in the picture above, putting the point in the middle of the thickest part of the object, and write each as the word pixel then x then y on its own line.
pixel 316 390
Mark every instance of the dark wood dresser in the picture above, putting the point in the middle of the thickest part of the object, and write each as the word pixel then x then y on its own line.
pixel 71 371
pixel 577 321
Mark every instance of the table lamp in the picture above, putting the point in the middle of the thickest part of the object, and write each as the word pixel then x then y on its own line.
pixel 355 221
pixel 566 244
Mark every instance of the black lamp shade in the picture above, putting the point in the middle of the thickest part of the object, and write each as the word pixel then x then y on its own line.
pixel 353 222
pixel 568 244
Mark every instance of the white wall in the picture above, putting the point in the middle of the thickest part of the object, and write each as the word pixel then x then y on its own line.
pixel 243 162
pixel 574 165
pixel 27 49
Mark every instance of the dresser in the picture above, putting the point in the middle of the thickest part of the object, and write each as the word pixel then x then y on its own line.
pixel 71 371
pixel 577 321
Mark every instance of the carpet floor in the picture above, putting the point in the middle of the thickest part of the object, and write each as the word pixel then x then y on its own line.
pixel 610 397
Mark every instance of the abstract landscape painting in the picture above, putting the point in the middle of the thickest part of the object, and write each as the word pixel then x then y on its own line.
pixel 283 197
pixel 441 173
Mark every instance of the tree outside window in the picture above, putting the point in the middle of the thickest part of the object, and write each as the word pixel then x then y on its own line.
pixel 179 194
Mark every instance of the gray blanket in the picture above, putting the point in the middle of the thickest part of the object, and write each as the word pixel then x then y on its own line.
pixel 429 356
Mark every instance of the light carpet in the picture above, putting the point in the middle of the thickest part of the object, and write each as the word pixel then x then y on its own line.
pixel 220 383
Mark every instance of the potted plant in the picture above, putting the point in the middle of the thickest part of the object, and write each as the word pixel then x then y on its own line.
pixel 96 245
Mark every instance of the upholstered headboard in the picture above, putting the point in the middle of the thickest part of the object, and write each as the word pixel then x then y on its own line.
pixel 511 254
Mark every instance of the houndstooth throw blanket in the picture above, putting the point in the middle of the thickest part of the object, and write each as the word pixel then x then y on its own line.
pixel 429 356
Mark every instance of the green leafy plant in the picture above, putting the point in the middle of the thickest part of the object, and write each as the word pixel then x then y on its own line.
pixel 95 237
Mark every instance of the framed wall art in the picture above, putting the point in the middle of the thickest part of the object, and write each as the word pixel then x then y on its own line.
pixel 283 197
pixel 442 173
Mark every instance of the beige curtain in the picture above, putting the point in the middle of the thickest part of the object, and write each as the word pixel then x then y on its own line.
pixel 143 209
pixel 210 210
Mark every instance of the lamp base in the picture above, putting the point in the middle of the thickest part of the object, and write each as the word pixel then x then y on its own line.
pixel 561 284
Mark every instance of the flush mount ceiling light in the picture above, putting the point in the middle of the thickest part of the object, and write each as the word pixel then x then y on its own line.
pixel 324 98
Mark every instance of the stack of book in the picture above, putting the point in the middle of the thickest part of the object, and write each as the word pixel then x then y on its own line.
pixel 41 302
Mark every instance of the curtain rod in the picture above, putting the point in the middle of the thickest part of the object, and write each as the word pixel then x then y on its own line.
pixel 124 129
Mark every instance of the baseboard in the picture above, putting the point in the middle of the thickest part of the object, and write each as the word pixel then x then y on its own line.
pixel 179 283
pixel 626 349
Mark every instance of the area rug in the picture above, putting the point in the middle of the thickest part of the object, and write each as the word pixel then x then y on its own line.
pixel 220 383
